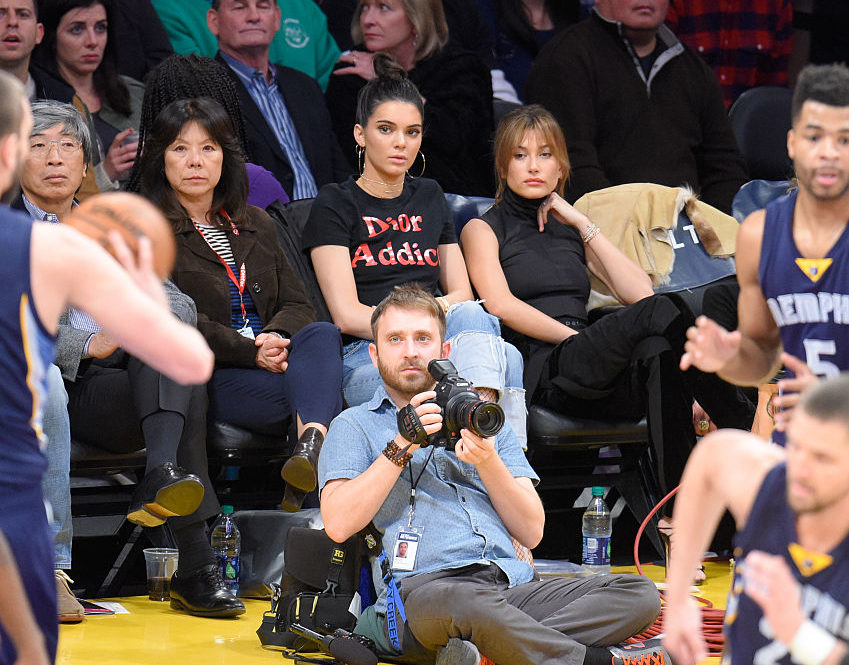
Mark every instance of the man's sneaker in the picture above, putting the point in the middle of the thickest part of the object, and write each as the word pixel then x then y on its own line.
pixel 647 652
pixel 70 610
pixel 460 652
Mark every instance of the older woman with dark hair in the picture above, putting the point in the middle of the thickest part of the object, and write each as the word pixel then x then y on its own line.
pixel 78 54
pixel 273 360
pixel 190 76
pixel 454 84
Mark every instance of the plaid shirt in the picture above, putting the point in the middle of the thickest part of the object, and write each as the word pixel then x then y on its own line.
pixel 746 42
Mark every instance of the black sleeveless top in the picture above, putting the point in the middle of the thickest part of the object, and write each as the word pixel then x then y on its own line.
pixel 547 270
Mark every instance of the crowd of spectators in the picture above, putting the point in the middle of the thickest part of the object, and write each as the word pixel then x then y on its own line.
pixel 216 109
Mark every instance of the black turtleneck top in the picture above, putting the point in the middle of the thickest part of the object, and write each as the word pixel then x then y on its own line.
pixel 547 270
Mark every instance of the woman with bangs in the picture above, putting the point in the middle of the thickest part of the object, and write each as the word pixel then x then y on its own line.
pixel 529 257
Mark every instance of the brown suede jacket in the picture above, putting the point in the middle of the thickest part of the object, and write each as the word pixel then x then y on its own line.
pixel 276 290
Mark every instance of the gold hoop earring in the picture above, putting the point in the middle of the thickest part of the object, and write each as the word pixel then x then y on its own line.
pixel 360 162
pixel 424 165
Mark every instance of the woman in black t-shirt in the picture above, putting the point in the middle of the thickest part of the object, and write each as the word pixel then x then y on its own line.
pixel 382 229
pixel 528 257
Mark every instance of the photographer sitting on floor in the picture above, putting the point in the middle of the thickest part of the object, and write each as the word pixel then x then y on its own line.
pixel 462 588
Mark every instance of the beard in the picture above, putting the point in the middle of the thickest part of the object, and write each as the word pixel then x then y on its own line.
pixel 406 385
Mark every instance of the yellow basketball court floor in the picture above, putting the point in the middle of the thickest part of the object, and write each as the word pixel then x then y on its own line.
pixel 154 634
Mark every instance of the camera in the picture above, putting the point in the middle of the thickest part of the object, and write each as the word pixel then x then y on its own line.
pixel 461 407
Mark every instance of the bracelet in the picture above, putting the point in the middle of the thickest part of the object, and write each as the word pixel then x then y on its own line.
pixel 591 232
pixel 443 303
pixel 391 452
pixel 811 644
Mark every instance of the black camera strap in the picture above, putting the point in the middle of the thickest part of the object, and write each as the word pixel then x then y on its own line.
pixel 414 484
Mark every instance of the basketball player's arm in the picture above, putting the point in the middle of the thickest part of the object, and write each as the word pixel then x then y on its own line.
pixel 129 302
pixel 16 614
pixel 751 354
pixel 768 581
pixel 724 471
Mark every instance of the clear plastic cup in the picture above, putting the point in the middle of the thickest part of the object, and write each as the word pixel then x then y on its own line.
pixel 161 563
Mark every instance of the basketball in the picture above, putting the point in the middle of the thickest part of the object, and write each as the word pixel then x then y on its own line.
pixel 133 216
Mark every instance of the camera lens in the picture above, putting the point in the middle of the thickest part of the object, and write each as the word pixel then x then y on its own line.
pixel 486 418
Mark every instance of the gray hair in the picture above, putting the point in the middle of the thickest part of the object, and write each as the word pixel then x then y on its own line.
pixel 48 113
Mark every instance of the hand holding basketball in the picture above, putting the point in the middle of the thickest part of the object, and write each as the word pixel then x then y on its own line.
pixel 133 218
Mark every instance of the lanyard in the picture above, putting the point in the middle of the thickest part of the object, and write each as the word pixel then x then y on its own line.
pixel 243 275
pixel 414 484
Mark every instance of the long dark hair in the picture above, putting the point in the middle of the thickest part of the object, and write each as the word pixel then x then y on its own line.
pixel 513 20
pixel 231 192
pixel 186 77
pixel 390 85
pixel 107 81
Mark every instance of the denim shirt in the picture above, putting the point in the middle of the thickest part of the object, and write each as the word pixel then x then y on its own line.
pixel 461 526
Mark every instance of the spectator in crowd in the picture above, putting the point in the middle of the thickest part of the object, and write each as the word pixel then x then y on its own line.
pixel 467 28
pixel 463 589
pixel 747 44
pixel 52 178
pixel 286 120
pixel 382 229
pixel 78 57
pixel 303 42
pixel 455 84
pixel 141 38
pixel 119 403
pixel 529 256
pixel 21 31
pixel 791 507
pixel 191 76
pixel 274 361
pixel 521 28
pixel 636 105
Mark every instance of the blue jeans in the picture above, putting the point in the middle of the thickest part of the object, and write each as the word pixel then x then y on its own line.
pixel 477 351
pixel 56 483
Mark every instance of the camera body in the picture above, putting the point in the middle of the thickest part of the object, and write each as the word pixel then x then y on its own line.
pixel 461 407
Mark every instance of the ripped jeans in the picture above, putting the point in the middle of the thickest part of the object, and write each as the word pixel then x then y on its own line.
pixel 477 351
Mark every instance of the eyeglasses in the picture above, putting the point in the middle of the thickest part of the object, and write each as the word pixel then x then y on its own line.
pixel 41 147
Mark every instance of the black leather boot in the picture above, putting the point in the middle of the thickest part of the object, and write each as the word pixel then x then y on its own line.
pixel 301 469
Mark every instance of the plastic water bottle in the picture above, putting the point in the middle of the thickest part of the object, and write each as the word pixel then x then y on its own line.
pixel 596 530
pixel 227 544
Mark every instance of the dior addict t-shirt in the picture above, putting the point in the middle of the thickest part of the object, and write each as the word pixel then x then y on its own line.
pixel 390 241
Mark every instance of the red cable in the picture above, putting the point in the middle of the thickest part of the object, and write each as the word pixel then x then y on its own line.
pixel 713 619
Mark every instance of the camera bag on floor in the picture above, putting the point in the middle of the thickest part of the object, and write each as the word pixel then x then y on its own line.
pixel 263 546
pixel 319 589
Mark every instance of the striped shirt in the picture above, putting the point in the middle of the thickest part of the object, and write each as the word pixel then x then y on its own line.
pixel 218 242
pixel 267 97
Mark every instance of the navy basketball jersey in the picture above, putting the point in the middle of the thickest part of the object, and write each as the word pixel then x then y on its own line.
pixel 26 350
pixel 824 577
pixel 808 298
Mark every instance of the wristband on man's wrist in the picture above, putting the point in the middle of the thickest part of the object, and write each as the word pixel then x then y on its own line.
pixel 811 644
pixel 393 453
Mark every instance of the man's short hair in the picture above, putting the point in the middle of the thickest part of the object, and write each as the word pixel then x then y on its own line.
pixel 48 113
pixel 12 95
pixel 828 400
pixel 827 84
pixel 409 296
